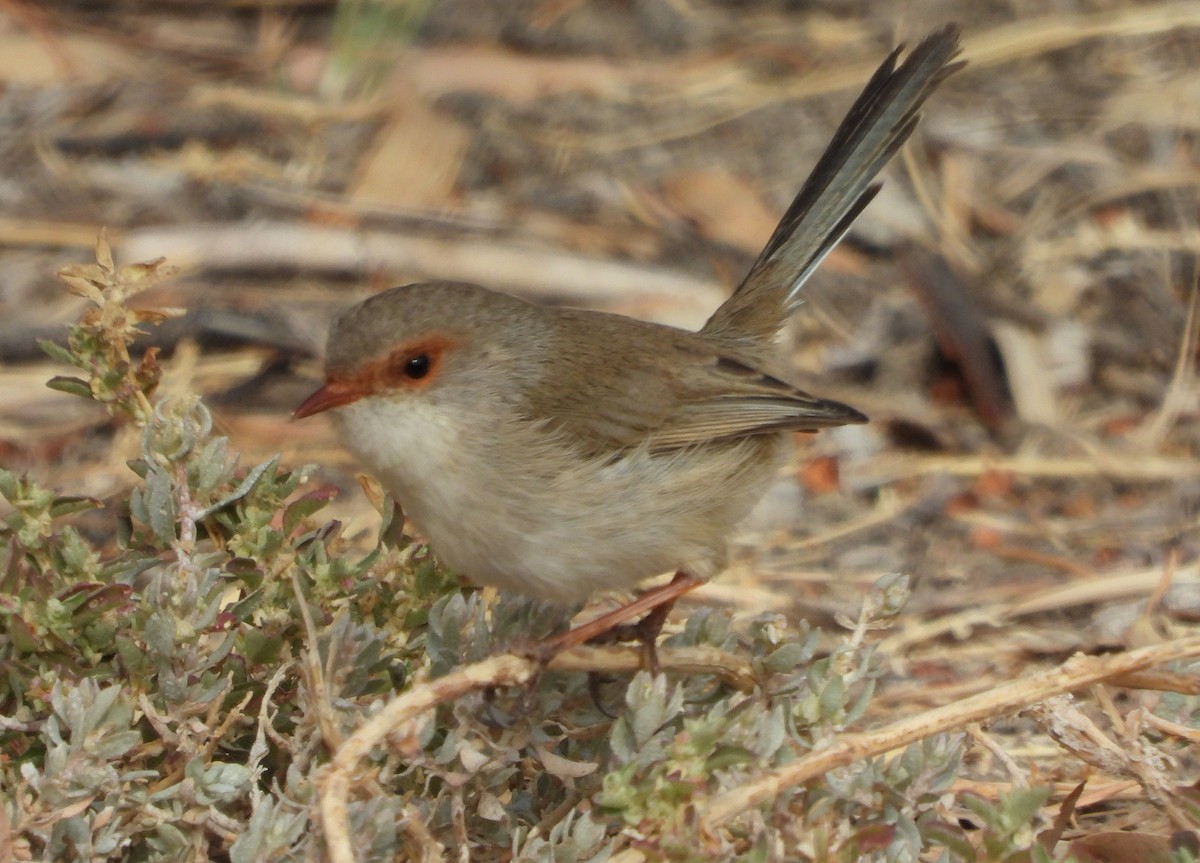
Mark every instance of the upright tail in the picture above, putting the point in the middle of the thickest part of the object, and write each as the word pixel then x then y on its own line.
pixel 837 190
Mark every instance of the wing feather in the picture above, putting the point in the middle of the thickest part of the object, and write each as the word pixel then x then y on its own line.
pixel 669 389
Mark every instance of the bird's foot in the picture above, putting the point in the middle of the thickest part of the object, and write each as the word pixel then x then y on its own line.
pixel 615 626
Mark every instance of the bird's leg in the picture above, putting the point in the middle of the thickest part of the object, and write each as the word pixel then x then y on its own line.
pixel 645 632
pixel 596 680
pixel 657 602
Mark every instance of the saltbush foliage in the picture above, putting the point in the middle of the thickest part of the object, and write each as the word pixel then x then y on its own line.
pixel 175 682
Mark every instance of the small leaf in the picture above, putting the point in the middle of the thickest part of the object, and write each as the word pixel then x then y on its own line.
pixel 1121 847
pixel 982 809
pixel 104 252
pixel 212 465
pixel 160 635
pixel 218 782
pixel 772 732
pixel 99 600
pixel 950 835
pixel 871 839
pixel 253 477
pixel 391 525
pixel 148 371
pixel 160 507
pixel 730 756
pixel 113 744
pixel 152 271
pixel 859 708
pixel 271 833
pixel 259 647
pixel 1020 805
pixel 889 595
pixel 70 504
pixel 82 287
pixel 557 765
pixel 223 650
pixel 74 386
pixel 10 486
pixel 56 351
pixel 307 505
pixel 833 697
pixel 247 605
pixel 785 658
pixel 24 638
pixel 621 741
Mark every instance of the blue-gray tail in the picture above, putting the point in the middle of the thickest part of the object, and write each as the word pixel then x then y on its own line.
pixel 837 190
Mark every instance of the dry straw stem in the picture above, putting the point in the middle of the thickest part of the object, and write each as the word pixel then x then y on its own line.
pixel 523 268
pixel 1096 462
pixel 995 47
pixel 1017 41
pixel 1054 32
pixel 731 669
pixel 1023 39
pixel 512 670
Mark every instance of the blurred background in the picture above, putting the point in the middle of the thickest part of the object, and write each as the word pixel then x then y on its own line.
pixel 1016 312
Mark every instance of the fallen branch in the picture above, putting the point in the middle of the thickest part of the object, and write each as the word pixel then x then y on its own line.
pixel 528 269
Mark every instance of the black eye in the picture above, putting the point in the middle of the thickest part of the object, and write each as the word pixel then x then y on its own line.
pixel 416 367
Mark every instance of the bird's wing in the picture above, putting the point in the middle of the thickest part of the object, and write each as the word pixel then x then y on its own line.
pixel 665 388
pixel 747 410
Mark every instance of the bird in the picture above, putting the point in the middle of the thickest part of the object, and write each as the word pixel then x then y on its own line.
pixel 557 452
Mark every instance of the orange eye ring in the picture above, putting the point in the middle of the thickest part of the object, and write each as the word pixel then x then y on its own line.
pixel 412 365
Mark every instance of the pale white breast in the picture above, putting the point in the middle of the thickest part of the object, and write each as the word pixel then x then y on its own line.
pixel 551 523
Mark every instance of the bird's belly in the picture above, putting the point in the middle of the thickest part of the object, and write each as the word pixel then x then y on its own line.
pixel 555 524
pixel 566 532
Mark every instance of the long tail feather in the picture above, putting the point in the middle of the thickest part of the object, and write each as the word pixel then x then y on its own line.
pixel 837 190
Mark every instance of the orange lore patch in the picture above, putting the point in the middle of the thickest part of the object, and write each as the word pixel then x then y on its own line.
pixel 381 375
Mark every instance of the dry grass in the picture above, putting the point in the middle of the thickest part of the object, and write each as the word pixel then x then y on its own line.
pixel 626 163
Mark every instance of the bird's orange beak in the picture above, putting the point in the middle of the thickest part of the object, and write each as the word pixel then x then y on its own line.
pixel 333 395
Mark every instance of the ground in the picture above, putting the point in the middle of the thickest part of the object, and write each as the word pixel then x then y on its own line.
pixel 1017 312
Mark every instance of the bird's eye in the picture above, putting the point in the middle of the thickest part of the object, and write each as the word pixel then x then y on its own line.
pixel 416 367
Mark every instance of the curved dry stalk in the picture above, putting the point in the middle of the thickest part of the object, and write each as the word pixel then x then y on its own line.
pixel 504 670
pixel 733 670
